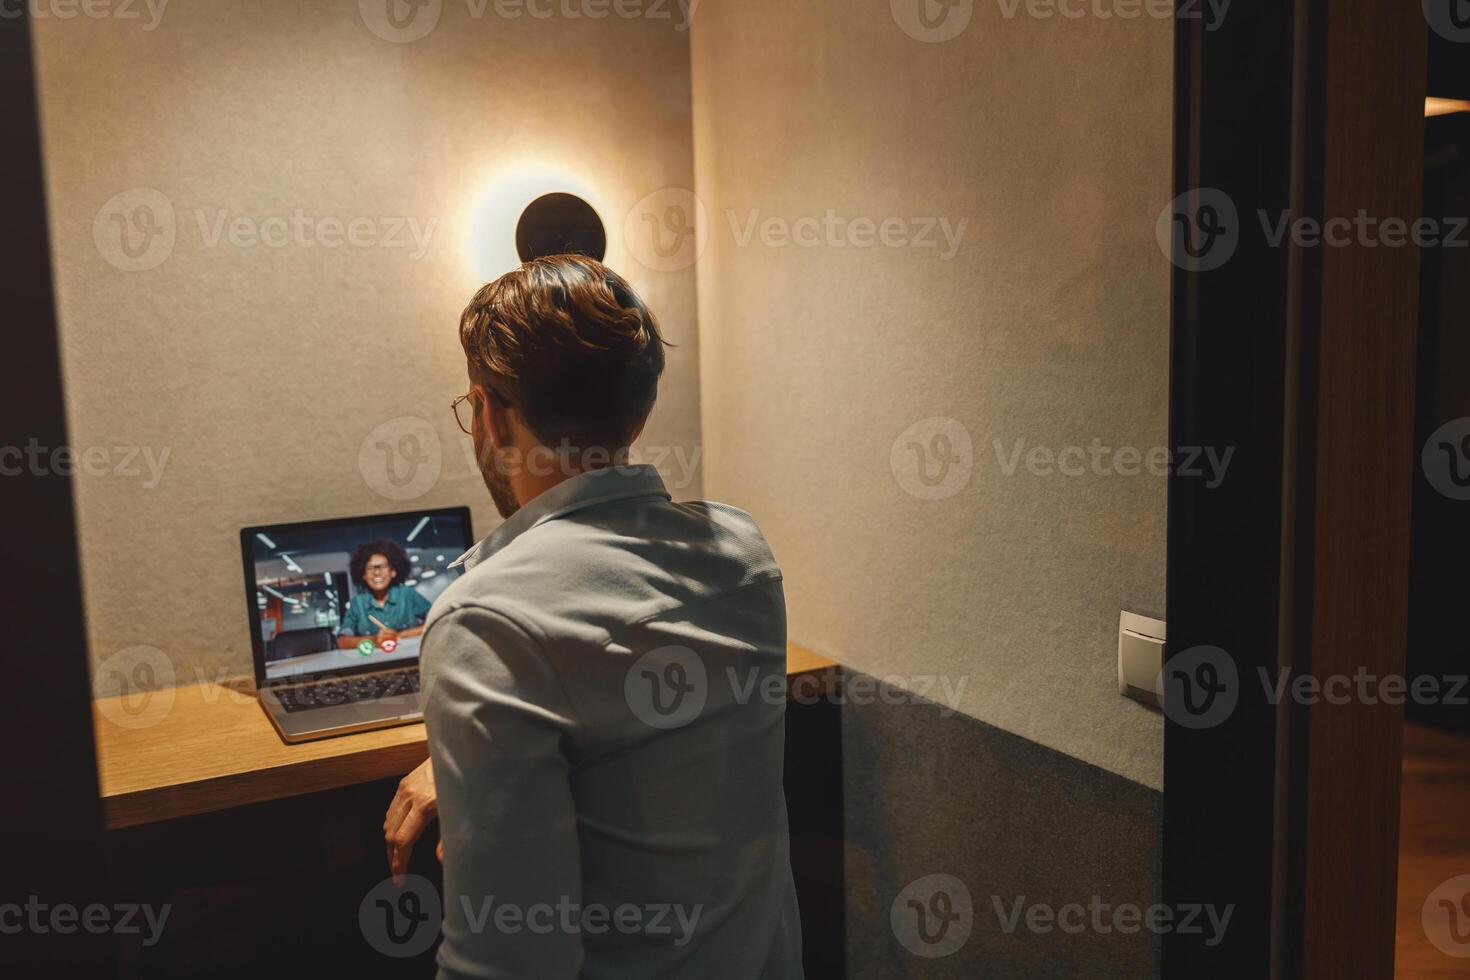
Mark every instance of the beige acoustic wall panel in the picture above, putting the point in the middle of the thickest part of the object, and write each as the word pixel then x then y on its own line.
pixel 934 339
pixel 266 219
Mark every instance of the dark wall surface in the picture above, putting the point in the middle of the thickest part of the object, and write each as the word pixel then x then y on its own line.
pixel 929 793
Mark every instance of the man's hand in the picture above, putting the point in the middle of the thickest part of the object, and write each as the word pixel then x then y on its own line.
pixel 387 634
pixel 414 807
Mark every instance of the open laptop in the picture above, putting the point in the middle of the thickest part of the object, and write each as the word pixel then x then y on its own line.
pixel 336 612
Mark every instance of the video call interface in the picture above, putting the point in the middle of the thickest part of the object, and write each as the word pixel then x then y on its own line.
pixel 349 595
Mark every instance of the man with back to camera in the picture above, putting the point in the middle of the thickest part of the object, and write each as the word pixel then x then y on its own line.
pixel 605 754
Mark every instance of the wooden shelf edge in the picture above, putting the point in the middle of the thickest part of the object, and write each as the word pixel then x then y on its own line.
pixel 134 805
pixel 188 799
pixel 800 660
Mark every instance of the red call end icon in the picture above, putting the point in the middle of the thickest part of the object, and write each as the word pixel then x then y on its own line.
pixel 389 645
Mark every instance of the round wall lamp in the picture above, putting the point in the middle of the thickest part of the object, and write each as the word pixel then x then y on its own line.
pixel 557 223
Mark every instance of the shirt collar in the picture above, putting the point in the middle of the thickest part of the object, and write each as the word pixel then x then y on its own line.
pixel 394 591
pixel 576 493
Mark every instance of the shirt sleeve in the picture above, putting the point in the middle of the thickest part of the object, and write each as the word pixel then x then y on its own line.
pixel 497 718
pixel 418 607
pixel 350 625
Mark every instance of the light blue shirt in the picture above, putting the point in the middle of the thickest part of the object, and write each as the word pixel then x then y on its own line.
pixel 605 701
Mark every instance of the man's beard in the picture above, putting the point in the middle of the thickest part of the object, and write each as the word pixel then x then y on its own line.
pixel 496 482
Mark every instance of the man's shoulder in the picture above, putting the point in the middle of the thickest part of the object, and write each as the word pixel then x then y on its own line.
pixel 733 535
pixel 609 534
pixel 728 518
pixel 614 562
pixel 721 513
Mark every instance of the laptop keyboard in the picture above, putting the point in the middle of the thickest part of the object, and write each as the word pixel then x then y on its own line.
pixel 346 690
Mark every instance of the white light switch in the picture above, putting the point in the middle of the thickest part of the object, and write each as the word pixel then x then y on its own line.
pixel 1140 657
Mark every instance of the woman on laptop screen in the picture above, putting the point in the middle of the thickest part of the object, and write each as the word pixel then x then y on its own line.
pixel 385 609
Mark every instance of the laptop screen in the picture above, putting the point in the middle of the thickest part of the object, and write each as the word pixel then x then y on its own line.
pixel 343 596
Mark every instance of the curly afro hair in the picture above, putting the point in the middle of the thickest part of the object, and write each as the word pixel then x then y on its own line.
pixel 390 550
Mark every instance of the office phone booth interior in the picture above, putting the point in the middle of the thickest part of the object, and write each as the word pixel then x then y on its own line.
pixel 1264 387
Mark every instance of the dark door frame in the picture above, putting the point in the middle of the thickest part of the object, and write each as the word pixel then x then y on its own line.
pixel 1301 360
pixel 53 813
pixel 1228 354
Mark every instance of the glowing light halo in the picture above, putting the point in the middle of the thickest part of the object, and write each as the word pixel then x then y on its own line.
pixel 491 246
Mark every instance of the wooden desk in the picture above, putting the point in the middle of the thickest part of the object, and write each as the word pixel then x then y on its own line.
pixel 209 747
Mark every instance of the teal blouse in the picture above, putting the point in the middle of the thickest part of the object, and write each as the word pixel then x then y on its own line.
pixel 403 608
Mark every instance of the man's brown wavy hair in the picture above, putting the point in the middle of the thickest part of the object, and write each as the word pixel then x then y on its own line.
pixel 569 344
